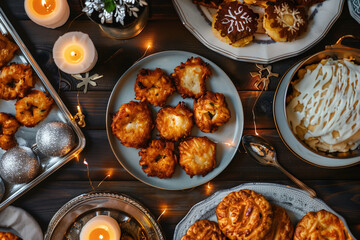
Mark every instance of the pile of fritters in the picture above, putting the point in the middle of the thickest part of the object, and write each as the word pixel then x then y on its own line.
pixel 133 123
pixel 16 82
pixel 248 215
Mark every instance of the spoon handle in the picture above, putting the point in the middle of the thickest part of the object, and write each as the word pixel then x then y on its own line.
pixel 302 185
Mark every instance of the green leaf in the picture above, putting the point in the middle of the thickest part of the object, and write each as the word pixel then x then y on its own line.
pixel 109 5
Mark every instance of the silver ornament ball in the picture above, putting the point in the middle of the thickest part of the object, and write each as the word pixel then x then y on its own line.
pixel 55 139
pixel 19 165
pixel 2 189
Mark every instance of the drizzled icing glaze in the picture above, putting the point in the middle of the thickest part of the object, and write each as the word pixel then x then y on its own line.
pixel 283 10
pixel 235 20
pixel 327 104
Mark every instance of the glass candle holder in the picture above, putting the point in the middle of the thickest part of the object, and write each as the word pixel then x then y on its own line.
pixel 122 23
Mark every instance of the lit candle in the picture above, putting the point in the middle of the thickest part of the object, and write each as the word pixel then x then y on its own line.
pixel 48 13
pixel 101 227
pixel 74 52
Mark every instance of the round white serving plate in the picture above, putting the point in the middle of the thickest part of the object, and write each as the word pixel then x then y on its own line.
pixel 231 132
pixel 197 19
pixel 296 202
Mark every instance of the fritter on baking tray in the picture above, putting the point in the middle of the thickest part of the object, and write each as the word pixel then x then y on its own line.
pixel 33 108
pixel 133 124
pixel 153 86
pixel 245 215
pixel 7 50
pixel 8 128
pixel 15 81
pixel 204 229
pixel 158 159
pixel 190 77
pixel 174 123
pixel 208 3
pixel 321 225
pixel 281 228
pixel 211 111
pixel 197 156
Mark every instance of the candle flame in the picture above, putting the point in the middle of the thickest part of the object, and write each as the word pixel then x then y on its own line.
pixel 148 45
pixel 85 162
pixel 256 133
pixel 43 2
pixel 79 108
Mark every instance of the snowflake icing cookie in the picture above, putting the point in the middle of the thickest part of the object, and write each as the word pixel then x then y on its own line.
pixel 235 23
pixel 284 21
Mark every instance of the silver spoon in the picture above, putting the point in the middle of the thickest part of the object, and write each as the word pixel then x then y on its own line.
pixel 265 154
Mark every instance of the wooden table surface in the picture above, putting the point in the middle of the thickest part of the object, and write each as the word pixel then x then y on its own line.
pixel 339 188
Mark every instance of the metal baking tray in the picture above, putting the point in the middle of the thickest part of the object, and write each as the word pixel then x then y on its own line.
pixel 26 136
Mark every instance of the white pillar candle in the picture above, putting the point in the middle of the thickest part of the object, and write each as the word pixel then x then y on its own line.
pixel 74 52
pixel 101 227
pixel 48 13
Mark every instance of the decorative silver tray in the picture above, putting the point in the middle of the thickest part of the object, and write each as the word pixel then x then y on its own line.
pixel 134 219
pixel 296 202
pixel 26 136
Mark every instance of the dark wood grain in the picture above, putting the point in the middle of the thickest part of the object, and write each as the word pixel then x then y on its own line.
pixel 338 188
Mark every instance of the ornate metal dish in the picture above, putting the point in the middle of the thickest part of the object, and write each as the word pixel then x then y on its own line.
pixel 317 158
pixel 134 219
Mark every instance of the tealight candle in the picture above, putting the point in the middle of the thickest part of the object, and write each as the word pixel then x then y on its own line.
pixel 74 52
pixel 48 13
pixel 101 227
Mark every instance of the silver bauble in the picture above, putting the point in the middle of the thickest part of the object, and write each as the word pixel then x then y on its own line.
pixel 55 139
pixel 2 189
pixel 19 165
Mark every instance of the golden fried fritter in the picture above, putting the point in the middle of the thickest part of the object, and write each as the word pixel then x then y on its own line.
pixel 190 77
pixel 7 50
pixel 244 215
pixel 133 124
pixel 15 81
pixel 197 156
pixel 153 86
pixel 281 228
pixel 8 127
pixel 158 160
pixel 33 108
pixel 204 229
pixel 211 111
pixel 321 225
pixel 174 123
pixel 208 3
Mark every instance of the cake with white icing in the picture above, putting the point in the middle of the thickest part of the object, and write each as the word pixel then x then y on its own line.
pixel 324 108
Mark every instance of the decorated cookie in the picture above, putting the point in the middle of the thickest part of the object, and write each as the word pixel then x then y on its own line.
pixel 235 23
pixel 284 21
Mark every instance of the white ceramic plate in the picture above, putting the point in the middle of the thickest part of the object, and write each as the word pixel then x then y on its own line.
pixel 197 20
pixel 291 141
pixel 354 9
pixel 231 132
pixel 296 202
pixel 21 222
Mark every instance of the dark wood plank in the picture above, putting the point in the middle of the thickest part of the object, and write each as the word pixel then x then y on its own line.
pixel 177 203
pixel 101 160
pixel 94 105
